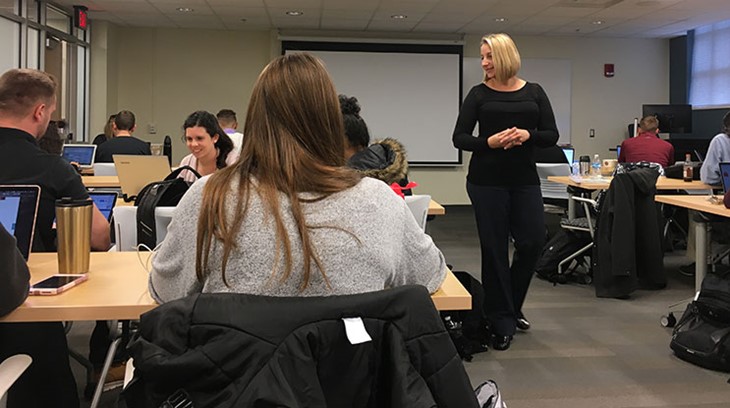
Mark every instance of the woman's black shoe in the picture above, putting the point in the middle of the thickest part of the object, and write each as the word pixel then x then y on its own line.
pixel 501 342
pixel 523 324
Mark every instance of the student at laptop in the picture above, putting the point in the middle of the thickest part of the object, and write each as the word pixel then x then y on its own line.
pixel 27 101
pixel 552 154
pixel 15 278
pixel 647 146
pixel 718 152
pixel 229 124
pixel 123 141
pixel 51 141
pixel 210 147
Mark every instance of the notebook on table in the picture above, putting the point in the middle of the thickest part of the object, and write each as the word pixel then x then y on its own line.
pixel 105 202
pixel 135 172
pixel 79 153
pixel 18 211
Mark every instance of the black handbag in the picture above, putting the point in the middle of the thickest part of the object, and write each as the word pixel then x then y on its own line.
pixel 702 336
pixel 166 193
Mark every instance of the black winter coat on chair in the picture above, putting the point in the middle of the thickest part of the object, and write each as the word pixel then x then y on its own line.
pixel 233 350
pixel 628 253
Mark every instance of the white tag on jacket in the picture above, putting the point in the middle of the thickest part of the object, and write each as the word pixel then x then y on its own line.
pixel 355 330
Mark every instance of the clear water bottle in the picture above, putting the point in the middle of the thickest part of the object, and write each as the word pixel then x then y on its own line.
pixel 596 166
pixel 687 168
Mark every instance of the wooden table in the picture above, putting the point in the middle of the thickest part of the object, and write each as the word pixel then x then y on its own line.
pixel 602 183
pixel 117 290
pixel 101 181
pixel 434 208
pixel 703 204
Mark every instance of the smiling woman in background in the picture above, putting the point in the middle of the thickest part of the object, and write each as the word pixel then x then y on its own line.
pixel 210 147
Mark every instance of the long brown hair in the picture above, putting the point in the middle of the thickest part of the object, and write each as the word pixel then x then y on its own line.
pixel 294 143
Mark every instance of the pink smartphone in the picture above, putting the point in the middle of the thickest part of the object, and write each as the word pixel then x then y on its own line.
pixel 53 285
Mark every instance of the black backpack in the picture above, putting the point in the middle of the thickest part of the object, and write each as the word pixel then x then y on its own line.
pixel 468 328
pixel 702 336
pixel 560 246
pixel 166 193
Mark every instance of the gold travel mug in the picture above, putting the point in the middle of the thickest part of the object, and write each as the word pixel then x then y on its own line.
pixel 73 229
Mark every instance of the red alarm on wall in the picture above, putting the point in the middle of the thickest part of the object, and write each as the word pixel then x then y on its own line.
pixel 608 70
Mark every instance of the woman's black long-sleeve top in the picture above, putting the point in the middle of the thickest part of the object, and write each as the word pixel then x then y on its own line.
pixel 527 108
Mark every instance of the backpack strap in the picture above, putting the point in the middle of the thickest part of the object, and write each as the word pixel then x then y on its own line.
pixel 179 170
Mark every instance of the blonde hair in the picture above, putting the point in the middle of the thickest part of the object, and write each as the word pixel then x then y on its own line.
pixel 649 123
pixel 294 143
pixel 505 56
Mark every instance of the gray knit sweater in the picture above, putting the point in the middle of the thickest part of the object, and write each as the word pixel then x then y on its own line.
pixel 383 247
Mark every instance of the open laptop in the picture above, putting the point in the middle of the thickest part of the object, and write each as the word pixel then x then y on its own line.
pixel 18 210
pixel 80 153
pixel 618 151
pixel 569 154
pixel 725 176
pixel 105 202
pixel 135 172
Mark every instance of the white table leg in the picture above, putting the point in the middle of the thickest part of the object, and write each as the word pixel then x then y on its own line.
pixel 701 252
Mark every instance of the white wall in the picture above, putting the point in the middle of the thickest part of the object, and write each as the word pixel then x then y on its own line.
pixel 159 82
pixel 163 75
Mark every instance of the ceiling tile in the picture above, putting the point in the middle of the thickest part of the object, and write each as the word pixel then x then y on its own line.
pixel 347 14
pixel 344 24
pixel 247 12
pixel 438 28
pixel 392 25
pixel 293 4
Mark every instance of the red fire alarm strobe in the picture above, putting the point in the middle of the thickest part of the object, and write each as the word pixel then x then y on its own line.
pixel 608 70
pixel 81 19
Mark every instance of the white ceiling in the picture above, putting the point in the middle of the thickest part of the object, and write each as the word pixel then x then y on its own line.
pixel 618 18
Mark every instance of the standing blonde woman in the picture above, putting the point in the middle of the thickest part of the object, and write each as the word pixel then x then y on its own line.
pixel 514 117
pixel 288 218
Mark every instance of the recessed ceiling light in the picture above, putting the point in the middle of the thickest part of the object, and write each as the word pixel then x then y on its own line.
pixel 500 19
pixel 243 20
pixel 185 9
pixel 597 22
pixel 399 16
pixel 294 13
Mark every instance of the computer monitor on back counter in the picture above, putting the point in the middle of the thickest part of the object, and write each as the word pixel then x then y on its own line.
pixel 672 118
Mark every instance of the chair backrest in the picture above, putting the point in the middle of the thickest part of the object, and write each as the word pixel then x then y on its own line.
pixel 104 169
pixel 10 369
pixel 551 189
pixel 125 225
pixel 418 204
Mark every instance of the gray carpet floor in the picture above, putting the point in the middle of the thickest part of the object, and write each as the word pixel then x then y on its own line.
pixel 581 351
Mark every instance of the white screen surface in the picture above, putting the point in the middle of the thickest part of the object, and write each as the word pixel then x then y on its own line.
pixel 411 97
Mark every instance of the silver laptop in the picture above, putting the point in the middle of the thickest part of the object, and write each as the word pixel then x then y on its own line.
pixel 135 172
pixel 18 211
pixel 82 154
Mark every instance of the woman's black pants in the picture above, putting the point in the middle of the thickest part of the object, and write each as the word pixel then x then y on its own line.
pixel 501 212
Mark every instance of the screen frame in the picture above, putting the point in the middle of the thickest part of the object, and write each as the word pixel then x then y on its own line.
pixel 673 118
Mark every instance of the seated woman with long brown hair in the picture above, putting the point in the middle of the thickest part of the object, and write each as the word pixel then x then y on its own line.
pixel 289 218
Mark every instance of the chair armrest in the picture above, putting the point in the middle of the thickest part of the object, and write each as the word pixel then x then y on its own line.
pixel 11 369
pixel 585 200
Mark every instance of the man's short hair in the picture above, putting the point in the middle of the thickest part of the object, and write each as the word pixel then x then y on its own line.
pixel 649 123
pixel 226 118
pixel 124 120
pixel 22 89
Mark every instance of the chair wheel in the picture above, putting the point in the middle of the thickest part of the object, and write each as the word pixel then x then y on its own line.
pixel 668 320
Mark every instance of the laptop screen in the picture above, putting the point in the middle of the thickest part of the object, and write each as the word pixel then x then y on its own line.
pixel 81 154
pixel 618 151
pixel 725 173
pixel 105 202
pixel 18 208
pixel 569 154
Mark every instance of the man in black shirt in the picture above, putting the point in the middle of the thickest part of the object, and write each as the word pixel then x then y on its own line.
pixel 123 142
pixel 27 101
